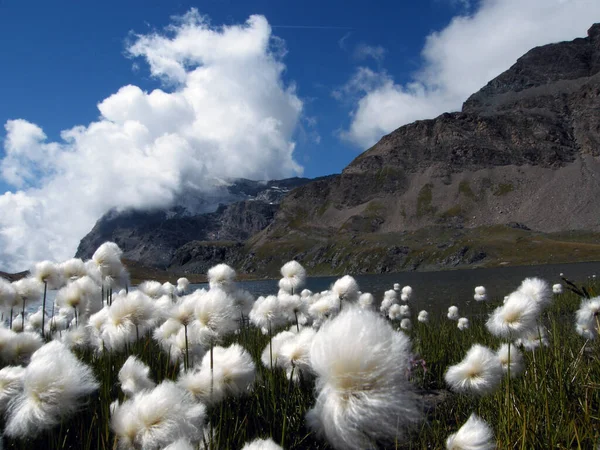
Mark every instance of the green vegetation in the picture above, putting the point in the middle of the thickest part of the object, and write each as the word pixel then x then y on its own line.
pixel 455 211
pixel 553 404
pixel 424 201
pixel 503 189
pixel 464 188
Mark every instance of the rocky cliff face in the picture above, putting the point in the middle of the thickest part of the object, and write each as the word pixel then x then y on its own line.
pixel 513 178
pixel 525 149
pixel 153 238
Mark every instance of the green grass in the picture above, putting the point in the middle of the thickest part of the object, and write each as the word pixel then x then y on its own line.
pixel 555 403
pixel 424 201
pixel 503 189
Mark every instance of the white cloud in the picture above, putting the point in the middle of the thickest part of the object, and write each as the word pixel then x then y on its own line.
pixel 462 58
pixel 364 51
pixel 227 114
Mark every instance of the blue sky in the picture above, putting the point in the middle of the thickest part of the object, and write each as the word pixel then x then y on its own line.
pixel 138 104
pixel 62 58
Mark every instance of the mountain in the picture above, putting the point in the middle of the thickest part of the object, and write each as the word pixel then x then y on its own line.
pixel 512 178
pixel 230 212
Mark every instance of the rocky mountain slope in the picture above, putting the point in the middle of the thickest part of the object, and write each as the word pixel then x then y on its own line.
pixel 513 178
pixel 523 154
pixel 152 238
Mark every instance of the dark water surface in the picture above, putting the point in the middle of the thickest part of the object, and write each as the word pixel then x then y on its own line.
pixel 435 291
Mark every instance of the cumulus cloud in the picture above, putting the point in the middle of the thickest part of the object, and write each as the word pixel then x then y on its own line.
pixel 460 59
pixel 224 112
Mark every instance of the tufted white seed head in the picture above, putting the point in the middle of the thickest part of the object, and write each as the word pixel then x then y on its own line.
pixel 243 301
pixel 72 269
pixel 396 287
pixel 75 337
pixel 29 289
pixel 515 360
pixel 306 293
pixel 35 319
pixel 55 384
pixel 463 323
pixel 8 294
pixel 537 289
pixel 387 303
pixel 346 288
pixel 294 277
pixel 587 318
pixel 232 375
pixel 407 291
pixel 480 372
pixel 11 384
pixel 406 324
pixel 533 339
pixel 108 260
pixel 453 313
pixel 180 444
pixel 168 288
pixel 366 300
pixel 19 348
pixel 182 285
pixel 221 276
pixel 134 377
pixel 152 289
pixel 292 307
pixel 266 313
pixel 517 317
pixel 262 444
pixel 480 294
pixel 49 273
pixel 363 394
pixel 155 418
pixel 326 307
pixel 557 288
pixel 394 312
pixel 294 353
pixel 271 352
pixel 475 434
pixel 423 316
pixel 216 311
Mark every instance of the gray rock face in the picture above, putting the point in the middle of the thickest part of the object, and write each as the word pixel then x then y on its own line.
pixel 153 237
pixel 525 149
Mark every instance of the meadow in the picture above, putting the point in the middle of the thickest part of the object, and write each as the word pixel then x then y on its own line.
pixel 220 369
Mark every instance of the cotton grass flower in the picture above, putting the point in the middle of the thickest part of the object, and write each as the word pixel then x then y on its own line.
pixel 406 293
pixel 232 373
pixel 475 434
pixel 363 395
pixel 11 384
pixel 20 347
pixel 294 277
pixel 406 324
pixel 294 354
pixel 480 372
pixel 72 269
pixel 453 313
pixel 270 355
pixel 108 260
pixel 587 318
pixel 390 298
pixel 394 312
pixel 423 316
pixel 55 384
pixel 182 285
pixel 222 277
pixel 155 418
pixel 266 313
pixel 517 317
pixel 480 294
pixel 463 323
pixel 134 377
pixel 152 289
pixel 515 360
pixel 346 289
pixel 533 339
pixel 537 289
pixel 180 444
pixel 366 300
pixel 557 288
pixel 262 444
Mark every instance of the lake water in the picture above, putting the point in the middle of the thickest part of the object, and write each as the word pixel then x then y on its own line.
pixel 433 291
